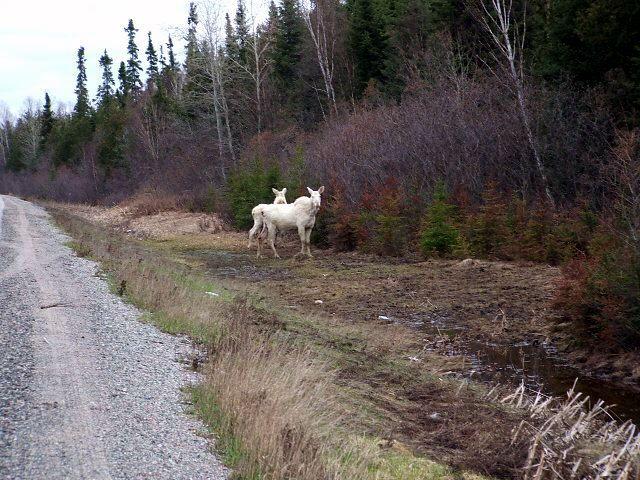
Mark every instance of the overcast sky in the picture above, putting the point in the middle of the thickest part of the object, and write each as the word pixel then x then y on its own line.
pixel 39 41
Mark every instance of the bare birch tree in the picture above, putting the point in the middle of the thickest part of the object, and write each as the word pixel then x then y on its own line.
pixel 215 68
pixel 258 44
pixel 320 19
pixel 6 121
pixel 509 38
pixel 151 128
pixel 32 126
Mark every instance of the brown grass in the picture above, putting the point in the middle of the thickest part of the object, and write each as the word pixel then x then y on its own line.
pixel 571 439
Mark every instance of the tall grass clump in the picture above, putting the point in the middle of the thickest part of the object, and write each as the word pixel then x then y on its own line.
pixel 570 439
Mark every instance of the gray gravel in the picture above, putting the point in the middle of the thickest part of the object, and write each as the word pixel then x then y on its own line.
pixel 86 390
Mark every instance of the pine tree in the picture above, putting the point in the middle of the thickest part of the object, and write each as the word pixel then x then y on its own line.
pixel 82 94
pixel 367 42
pixel 152 60
pixel 286 53
pixel 134 67
pixel 231 40
pixel 123 89
pixel 47 121
pixel 196 78
pixel 106 88
pixel 193 50
pixel 172 65
pixel 242 33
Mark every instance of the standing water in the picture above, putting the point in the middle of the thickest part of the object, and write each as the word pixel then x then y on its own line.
pixel 539 368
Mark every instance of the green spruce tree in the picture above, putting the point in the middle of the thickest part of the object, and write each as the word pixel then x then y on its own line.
pixel 172 65
pixel 47 121
pixel 123 88
pixel 106 88
pixel 288 44
pixel 134 68
pixel 152 61
pixel 196 78
pixel 193 50
pixel 232 48
pixel 82 107
pixel 242 33
pixel 367 42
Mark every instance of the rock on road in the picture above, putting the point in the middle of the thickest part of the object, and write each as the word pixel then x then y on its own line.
pixel 86 390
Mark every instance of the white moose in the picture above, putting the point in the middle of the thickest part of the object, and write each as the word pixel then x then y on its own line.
pixel 300 215
pixel 256 213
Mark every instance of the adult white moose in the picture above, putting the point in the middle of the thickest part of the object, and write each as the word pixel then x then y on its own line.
pixel 300 215
pixel 256 213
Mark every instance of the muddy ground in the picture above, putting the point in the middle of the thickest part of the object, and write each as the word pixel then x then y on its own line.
pixel 505 303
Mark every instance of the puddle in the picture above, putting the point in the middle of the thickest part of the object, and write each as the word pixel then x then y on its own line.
pixel 537 365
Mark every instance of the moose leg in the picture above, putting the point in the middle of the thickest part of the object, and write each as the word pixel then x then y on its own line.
pixel 308 240
pixel 257 224
pixel 303 239
pixel 272 230
pixel 259 254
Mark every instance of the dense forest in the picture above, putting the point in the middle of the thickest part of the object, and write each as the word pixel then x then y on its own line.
pixel 490 128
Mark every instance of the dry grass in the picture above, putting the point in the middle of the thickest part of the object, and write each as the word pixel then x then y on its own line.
pixel 150 202
pixel 151 215
pixel 570 439
pixel 284 410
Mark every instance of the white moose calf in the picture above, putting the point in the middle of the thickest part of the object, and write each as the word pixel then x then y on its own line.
pixel 300 215
pixel 256 213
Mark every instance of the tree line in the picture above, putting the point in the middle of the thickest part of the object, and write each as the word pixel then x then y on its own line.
pixel 522 116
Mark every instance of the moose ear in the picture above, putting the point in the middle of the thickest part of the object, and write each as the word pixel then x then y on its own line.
pixel 284 190
pixel 276 192
pixel 321 189
pixel 310 191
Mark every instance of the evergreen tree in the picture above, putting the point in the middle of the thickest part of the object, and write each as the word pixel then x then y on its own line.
pixel 367 41
pixel 440 235
pixel 287 49
pixel 196 78
pixel 231 40
pixel 123 89
pixel 162 60
pixel 152 60
pixel 169 70
pixel 47 121
pixel 82 106
pixel 272 18
pixel 172 64
pixel 15 160
pixel 106 88
pixel 242 33
pixel 590 41
pixel 134 68
pixel 193 50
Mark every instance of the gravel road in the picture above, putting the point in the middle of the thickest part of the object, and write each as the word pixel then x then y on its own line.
pixel 86 390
